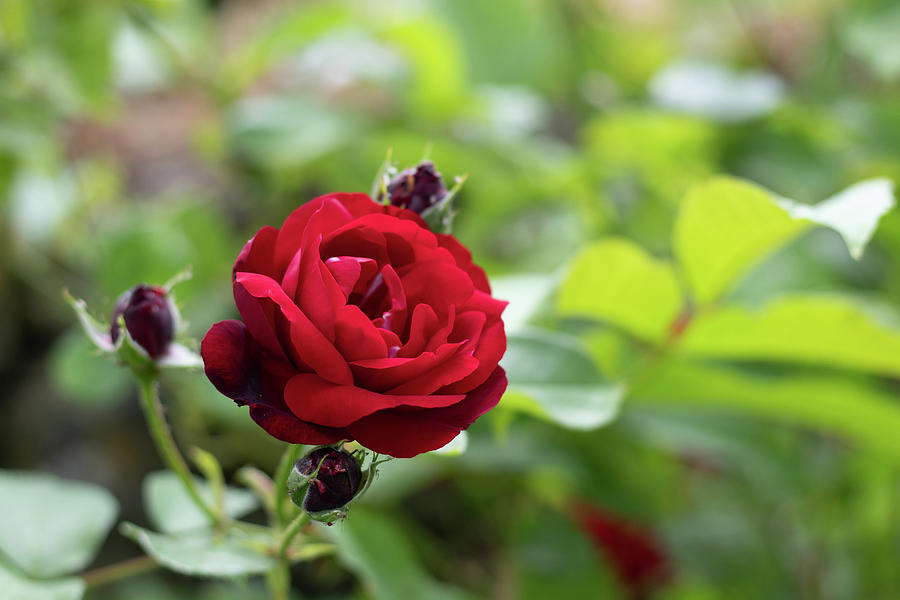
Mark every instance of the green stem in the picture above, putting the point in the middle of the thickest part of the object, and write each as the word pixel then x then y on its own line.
pixel 165 444
pixel 119 570
pixel 291 532
pixel 278 580
pixel 291 455
pixel 279 577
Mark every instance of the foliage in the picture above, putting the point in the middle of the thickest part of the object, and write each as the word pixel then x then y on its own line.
pixel 689 205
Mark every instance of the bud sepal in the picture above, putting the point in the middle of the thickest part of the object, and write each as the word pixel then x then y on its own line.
pixel 327 479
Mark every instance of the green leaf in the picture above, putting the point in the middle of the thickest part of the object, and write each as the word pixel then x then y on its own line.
pixel 724 227
pixel 616 281
pixel 205 553
pixel 853 213
pixel 816 330
pixel 18 588
pixel 51 526
pixel 552 377
pixel 839 405
pixel 372 546
pixel 171 509
pixel 525 294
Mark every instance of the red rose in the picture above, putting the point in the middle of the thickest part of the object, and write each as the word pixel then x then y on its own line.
pixel 359 323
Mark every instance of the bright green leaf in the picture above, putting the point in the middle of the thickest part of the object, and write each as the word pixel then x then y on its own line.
pixel 51 526
pixel 724 227
pixel 171 509
pixel 816 330
pixel 372 546
pixel 15 587
pixel 853 213
pixel 205 553
pixel 842 406
pixel 552 377
pixel 616 281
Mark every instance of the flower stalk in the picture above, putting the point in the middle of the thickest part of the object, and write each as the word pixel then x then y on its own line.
pixel 165 443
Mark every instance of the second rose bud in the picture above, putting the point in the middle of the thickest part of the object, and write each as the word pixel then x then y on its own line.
pixel 324 481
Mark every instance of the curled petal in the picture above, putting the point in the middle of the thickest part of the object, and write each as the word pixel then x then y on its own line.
pixel 311 345
pixel 313 399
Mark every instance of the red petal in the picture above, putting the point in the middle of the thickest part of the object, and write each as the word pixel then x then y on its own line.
pixel 450 371
pixel 464 261
pixel 423 324
pixel 383 374
pixel 227 362
pixel 356 338
pixel 401 435
pixel 258 254
pixel 288 428
pixel 313 399
pixel 437 284
pixel 490 350
pixel 313 348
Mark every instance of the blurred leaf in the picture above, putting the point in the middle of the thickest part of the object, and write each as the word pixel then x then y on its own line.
pixel 714 91
pixel 675 150
pixel 83 374
pixel 373 547
pixel 873 38
pixel 554 559
pixel 551 377
pixel 283 34
pixel 853 213
pixel 438 88
pixel 286 132
pixel 18 588
pixel 204 553
pixel 616 281
pixel 171 509
pixel 815 330
pixel 842 406
pixel 724 227
pixel 525 294
pixel 84 36
pixel 51 526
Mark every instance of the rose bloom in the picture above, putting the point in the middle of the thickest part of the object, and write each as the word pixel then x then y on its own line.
pixel 357 322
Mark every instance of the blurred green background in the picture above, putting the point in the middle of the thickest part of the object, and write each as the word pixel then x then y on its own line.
pixel 140 137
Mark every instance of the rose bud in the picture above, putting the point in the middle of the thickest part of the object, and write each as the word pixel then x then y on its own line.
pixel 149 316
pixel 417 188
pixel 323 481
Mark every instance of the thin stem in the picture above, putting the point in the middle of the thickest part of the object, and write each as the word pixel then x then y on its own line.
pixel 119 570
pixel 278 580
pixel 291 532
pixel 279 577
pixel 291 455
pixel 165 444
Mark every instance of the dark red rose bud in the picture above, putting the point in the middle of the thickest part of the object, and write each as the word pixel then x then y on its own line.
pixel 324 480
pixel 417 188
pixel 149 317
pixel 637 557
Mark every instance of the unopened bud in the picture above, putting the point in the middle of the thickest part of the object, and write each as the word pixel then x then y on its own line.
pixel 417 188
pixel 149 317
pixel 323 481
